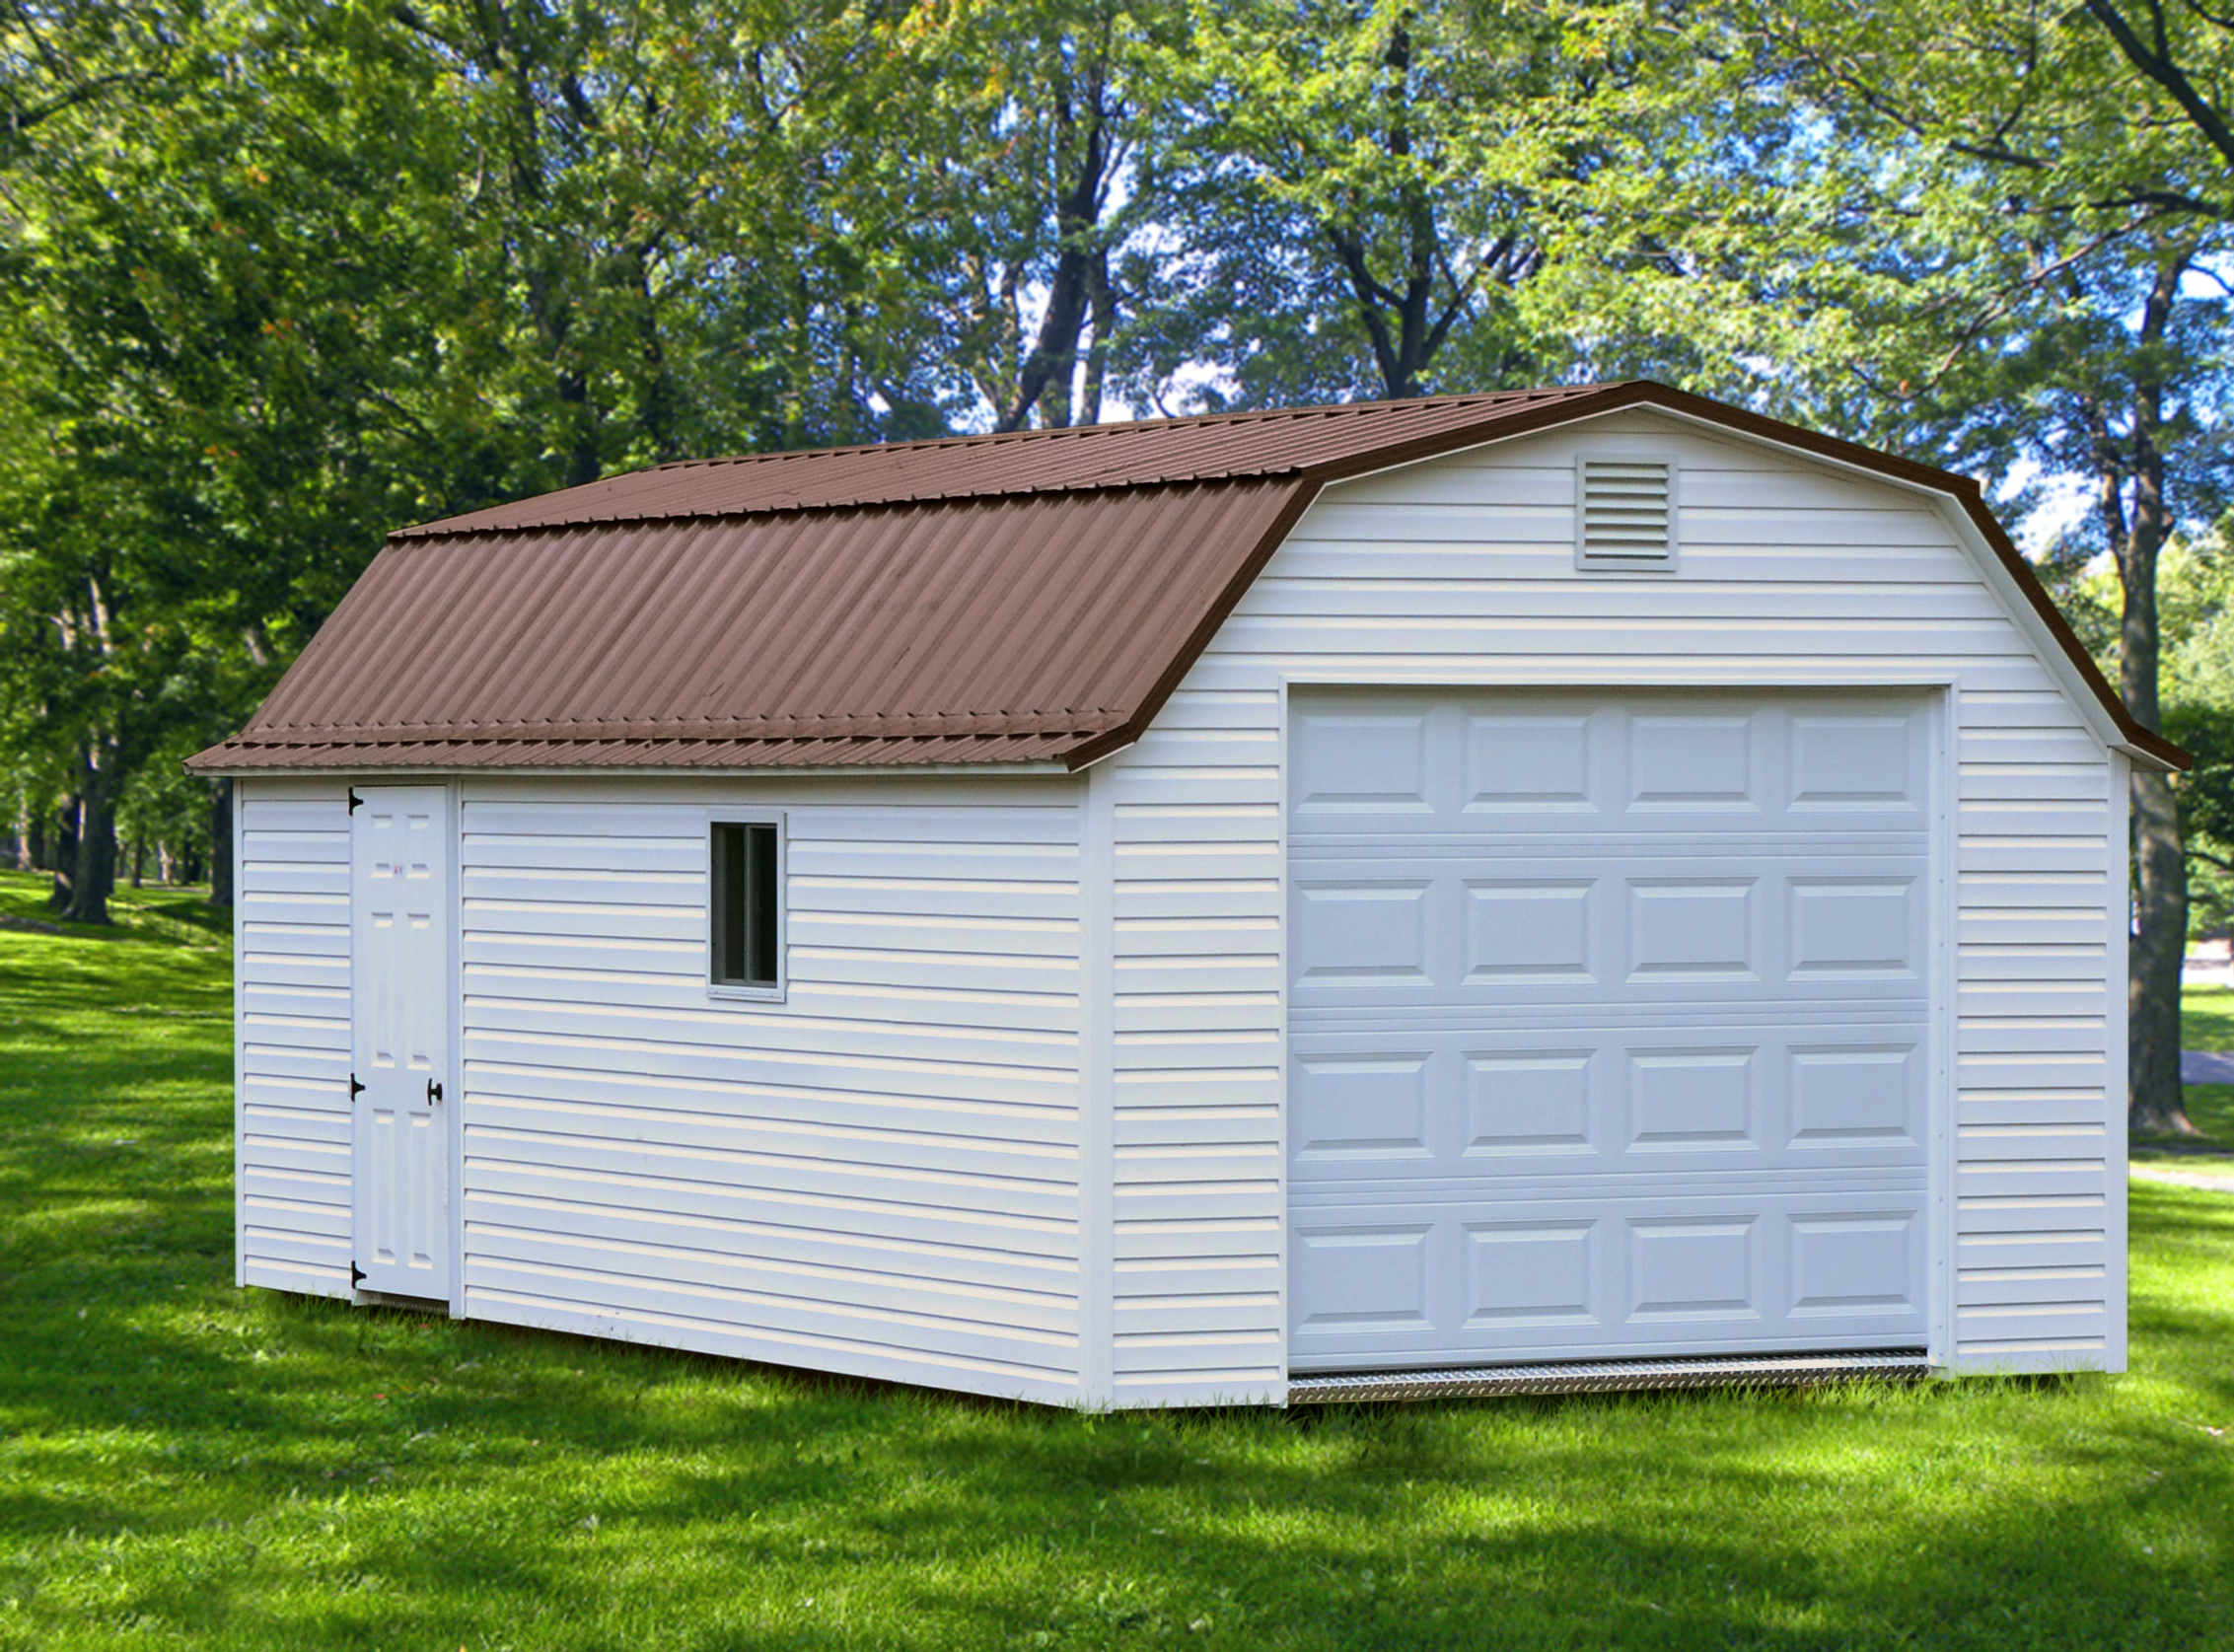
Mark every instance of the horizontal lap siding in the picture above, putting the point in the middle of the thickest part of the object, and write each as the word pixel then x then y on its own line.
pixel 1790 574
pixel 879 1175
pixel 1196 1037
pixel 290 1012
pixel 2039 1110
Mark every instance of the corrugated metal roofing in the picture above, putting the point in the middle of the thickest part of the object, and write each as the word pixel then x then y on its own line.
pixel 1149 453
pixel 1025 598
pixel 1005 630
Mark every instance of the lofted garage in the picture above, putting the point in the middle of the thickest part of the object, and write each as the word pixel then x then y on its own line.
pixel 1578 888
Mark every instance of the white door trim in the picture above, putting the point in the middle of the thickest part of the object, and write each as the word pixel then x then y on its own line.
pixel 396 1076
pixel 1943 688
pixel 455 919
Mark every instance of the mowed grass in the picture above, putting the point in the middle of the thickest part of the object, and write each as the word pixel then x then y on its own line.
pixel 2206 1022
pixel 184 1463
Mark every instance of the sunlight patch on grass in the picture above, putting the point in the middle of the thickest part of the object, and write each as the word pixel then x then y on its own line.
pixel 2207 1017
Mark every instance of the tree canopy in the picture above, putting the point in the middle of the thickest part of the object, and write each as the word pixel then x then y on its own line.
pixel 283 274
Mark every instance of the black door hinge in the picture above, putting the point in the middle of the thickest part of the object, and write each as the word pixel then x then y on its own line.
pixel 355 802
pixel 355 1089
pixel 356 1275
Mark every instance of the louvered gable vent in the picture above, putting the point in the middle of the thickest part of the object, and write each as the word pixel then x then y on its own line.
pixel 1626 513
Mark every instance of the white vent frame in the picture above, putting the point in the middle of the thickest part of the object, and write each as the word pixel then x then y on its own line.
pixel 1660 559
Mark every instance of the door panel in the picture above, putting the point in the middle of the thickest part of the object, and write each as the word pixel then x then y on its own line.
pixel 1608 1024
pixel 399 897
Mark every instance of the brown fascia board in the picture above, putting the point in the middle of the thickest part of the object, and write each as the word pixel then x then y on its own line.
pixel 1499 426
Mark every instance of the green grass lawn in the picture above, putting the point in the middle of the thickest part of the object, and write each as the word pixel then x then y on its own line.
pixel 2206 1022
pixel 182 1463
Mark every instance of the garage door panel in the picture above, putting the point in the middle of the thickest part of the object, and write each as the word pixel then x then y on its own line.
pixel 1370 1273
pixel 1366 930
pixel 1608 1024
pixel 1425 1101
pixel 1574 1278
pixel 1401 929
pixel 1851 762
pixel 1529 763
pixel 1529 1103
pixel 1350 763
pixel 1353 1107
pixel 1537 930
pixel 1564 762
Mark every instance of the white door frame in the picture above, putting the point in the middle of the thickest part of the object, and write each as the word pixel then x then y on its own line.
pixel 433 1002
pixel 1945 691
pixel 456 787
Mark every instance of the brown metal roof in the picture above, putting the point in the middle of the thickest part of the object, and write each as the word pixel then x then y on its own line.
pixel 1005 630
pixel 1025 598
pixel 1150 453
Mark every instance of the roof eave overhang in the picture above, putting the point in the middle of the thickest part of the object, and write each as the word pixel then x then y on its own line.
pixel 374 773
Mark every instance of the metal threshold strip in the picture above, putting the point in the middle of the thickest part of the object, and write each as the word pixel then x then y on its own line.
pixel 1607 1375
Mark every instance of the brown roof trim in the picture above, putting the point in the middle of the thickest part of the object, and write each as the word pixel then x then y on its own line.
pixel 2138 732
pixel 1274 536
pixel 830 754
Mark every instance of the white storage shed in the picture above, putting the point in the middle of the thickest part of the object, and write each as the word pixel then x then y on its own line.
pixel 1581 885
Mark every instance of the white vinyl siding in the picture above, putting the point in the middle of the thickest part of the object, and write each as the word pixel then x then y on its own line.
pixel 878 1176
pixel 1462 570
pixel 291 1011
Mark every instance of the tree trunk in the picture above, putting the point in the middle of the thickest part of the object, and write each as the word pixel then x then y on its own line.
pixel 166 864
pixel 139 862
pixel 1046 377
pixel 2155 1101
pixel 30 835
pixel 221 843
pixel 1103 322
pixel 62 856
pixel 95 873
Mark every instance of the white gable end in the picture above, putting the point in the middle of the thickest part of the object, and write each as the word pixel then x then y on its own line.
pixel 1463 571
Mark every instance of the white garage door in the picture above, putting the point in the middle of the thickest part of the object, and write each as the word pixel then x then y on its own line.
pixel 1608 1026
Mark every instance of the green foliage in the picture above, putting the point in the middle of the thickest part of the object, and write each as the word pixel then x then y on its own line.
pixel 187 1465
pixel 282 275
pixel 1380 199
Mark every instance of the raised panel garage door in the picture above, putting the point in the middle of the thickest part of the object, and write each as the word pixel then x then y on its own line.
pixel 1608 1024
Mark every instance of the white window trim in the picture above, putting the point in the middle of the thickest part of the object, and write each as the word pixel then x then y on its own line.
pixel 725 990
pixel 1585 456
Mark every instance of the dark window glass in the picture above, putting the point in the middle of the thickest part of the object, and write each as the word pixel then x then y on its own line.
pixel 746 885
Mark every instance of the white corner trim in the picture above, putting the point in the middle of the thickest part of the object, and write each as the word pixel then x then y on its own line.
pixel 1096 1089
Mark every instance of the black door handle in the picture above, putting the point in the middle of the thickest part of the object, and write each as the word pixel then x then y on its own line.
pixel 434 1091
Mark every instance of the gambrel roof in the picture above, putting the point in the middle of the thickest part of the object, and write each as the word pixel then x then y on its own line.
pixel 1026 598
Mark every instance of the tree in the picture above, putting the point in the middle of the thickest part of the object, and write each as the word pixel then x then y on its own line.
pixel 216 399
pixel 1364 194
pixel 1048 144
pixel 65 54
pixel 703 233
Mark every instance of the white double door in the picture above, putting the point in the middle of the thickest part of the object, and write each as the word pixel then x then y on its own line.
pixel 399 878
pixel 1608 1024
